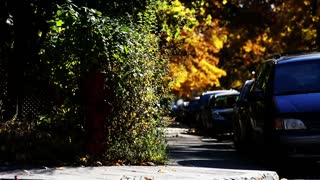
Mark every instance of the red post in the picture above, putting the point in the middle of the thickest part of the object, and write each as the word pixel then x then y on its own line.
pixel 96 112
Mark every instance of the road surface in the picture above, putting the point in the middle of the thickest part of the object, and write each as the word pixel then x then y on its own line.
pixel 190 149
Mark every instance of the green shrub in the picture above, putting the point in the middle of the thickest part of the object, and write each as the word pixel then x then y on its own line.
pixel 82 40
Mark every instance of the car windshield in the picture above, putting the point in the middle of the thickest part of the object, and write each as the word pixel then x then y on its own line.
pixel 297 77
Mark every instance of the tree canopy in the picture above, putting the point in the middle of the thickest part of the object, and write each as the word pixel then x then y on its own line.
pixel 238 35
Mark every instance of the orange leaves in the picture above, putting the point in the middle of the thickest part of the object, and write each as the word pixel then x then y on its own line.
pixel 309 33
pixel 257 46
pixel 194 68
pixel 253 47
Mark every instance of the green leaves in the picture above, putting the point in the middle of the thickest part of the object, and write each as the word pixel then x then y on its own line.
pixel 59 23
pixel 127 51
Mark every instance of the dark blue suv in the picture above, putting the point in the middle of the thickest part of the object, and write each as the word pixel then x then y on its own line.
pixel 284 105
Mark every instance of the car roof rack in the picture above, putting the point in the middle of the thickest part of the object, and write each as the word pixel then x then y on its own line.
pixel 278 55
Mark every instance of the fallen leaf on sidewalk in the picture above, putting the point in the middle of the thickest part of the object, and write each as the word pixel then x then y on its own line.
pixel 59 168
pixel 124 177
pixel 98 163
pixel 26 172
pixel 150 164
pixel 83 159
pixel 162 171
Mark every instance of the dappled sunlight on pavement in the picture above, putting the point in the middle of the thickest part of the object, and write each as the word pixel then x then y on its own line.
pixel 190 149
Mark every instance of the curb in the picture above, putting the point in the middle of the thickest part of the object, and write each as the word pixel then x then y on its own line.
pixel 139 173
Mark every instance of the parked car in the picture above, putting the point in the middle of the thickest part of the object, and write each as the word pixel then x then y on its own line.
pixel 206 112
pixel 174 109
pixel 184 109
pixel 177 109
pixel 284 105
pixel 221 114
pixel 201 111
pixel 190 111
pixel 240 118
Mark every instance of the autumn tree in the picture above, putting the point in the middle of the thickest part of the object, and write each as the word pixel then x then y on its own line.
pixel 195 39
pixel 254 30
pixel 259 29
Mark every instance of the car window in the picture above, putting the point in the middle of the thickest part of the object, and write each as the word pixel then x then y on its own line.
pixel 219 103
pixel 263 78
pixel 205 98
pixel 230 101
pixel 257 81
pixel 224 102
pixel 297 77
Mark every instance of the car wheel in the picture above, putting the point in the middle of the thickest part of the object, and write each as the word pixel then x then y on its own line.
pixel 237 135
pixel 243 137
pixel 198 122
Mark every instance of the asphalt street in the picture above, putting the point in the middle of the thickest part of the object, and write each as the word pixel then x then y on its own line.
pixel 189 149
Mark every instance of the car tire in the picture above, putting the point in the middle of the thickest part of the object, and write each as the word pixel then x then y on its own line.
pixel 237 135
pixel 243 140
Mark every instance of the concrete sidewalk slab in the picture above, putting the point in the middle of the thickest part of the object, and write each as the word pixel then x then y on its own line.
pixel 138 173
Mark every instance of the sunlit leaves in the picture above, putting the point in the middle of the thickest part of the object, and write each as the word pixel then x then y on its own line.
pixel 254 46
pixel 288 25
pixel 194 69
pixel 82 41
pixel 176 17
pixel 309 34
pixel 59 22
pixel 306 3
pixel 194 62
pixel 224 2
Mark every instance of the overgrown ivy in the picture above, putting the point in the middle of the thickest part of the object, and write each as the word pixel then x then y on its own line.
pixel 76 41
pixel 82 40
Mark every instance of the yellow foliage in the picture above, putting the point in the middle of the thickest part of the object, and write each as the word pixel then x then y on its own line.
pixel 256 47
pixel 288 29
pixel 264 37
pixel 202 11
pixel 224 2
pixel 306 3
pixel 309 33
pixel 208 20
pixel 315 18
pixel 195 69
pixel 183 16
pixel 218 43
pixel 248 46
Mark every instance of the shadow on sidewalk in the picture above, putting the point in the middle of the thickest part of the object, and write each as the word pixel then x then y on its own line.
pixel 195 150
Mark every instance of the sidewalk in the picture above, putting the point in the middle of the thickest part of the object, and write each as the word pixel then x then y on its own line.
pixel 140 172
